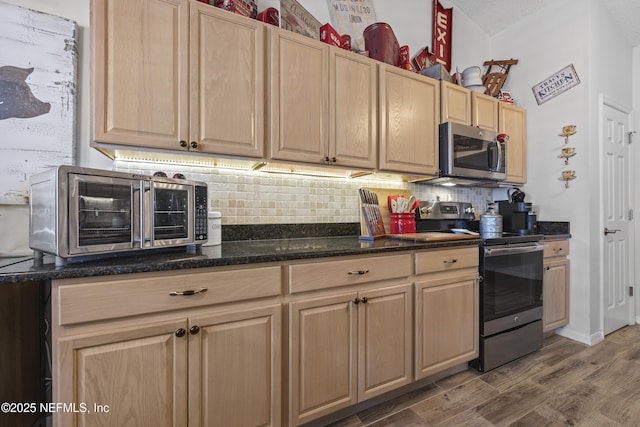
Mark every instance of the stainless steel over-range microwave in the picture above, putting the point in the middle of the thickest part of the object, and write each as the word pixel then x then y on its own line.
pixel 473 153
pixel 78 212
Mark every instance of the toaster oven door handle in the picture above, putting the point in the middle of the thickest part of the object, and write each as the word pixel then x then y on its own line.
pixel 147 214
pixel 137 219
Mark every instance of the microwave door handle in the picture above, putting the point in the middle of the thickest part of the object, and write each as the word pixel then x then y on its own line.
pixel 492 155
pixel 499 162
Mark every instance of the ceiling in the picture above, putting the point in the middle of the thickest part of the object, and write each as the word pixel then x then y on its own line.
pixel 491 15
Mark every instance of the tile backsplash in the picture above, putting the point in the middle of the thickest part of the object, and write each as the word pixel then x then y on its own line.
pixel 255 197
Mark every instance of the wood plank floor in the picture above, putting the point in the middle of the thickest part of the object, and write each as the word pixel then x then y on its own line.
pixel 563 384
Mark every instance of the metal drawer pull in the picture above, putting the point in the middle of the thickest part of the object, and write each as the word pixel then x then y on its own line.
pixel 358 272
pixel 450 261
pixel 188 292
pixel 557 249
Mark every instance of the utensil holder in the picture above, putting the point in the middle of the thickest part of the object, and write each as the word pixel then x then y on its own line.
pixel 402 222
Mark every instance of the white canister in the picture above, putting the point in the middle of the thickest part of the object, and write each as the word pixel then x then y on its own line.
pixel 214 228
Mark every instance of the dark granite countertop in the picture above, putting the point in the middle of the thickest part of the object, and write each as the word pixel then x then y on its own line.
pixel 229 253
pixel 241 245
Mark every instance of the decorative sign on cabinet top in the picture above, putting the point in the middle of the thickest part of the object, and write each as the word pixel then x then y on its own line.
pixel 352 17
pixel 296 18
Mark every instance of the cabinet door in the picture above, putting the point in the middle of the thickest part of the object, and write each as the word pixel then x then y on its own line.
pixel 139 373
pixel 299 97
pixel 555 293
pixel 513 122
pixel 410 114
pixel 455 104
pixel 227 82
pixel 484 111
pixel 140 72
pixel 447 320
pixel 354 109
pixel 234 368
pixel 384 340
pixel 322 356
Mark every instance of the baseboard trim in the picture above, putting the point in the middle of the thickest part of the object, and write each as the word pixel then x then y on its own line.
pixel 589 340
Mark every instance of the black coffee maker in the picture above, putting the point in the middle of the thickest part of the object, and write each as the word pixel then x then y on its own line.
pixel 517 216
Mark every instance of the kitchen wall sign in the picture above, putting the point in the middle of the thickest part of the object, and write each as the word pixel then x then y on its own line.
pixel 352 17
pixel 37 96
pixel 556 84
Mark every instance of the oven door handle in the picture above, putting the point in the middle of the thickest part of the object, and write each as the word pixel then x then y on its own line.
pixel 514 250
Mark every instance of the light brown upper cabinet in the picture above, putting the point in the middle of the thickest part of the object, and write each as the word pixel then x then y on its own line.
pixel 177 75
pixel 513 122
pixel 484 111
pixel 409 118
pixel 322 103
pixel 455 103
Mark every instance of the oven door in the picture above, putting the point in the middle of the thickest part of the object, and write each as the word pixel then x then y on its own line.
pixel 170 218
pixel 511 293
pixel 103 214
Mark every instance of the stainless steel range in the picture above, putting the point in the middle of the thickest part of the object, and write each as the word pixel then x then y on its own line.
pixel 511 286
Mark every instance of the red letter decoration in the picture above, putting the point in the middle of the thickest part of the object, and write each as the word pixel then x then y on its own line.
pixel 441 43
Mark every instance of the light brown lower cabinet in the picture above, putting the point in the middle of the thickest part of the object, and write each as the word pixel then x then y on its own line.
pixel 447 310
pixel 555 285
pixel 346 348
pixel 208 365
pixel 216 370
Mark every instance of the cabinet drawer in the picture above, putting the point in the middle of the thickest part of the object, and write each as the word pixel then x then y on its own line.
pixel 334 273
pixel 112 297
pixel 446 260
pixel 556 248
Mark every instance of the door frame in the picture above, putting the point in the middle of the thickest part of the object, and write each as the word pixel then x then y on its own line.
pixel 603 101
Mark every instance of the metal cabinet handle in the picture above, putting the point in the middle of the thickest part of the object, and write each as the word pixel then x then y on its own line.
pixel 194 329
pixel 607 231
pixel 188 292
pixel 358 272
pixel 450 261
pixel 365 300
pixel 183 144
pixel 194 144
pixel 356 301
pixel 180 332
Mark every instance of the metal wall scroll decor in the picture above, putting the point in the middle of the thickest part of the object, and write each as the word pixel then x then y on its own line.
pixel 566 153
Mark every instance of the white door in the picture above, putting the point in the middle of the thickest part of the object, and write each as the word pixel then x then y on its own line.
pixel 617 231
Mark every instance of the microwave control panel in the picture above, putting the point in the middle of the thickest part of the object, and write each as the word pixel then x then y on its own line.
pixel 201 213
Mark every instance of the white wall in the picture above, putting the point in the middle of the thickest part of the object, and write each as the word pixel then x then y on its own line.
pixel 582 34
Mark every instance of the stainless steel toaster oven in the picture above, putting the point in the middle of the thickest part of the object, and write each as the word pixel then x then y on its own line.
pixel 77 212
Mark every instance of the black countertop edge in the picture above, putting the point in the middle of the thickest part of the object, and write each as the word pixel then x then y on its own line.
pixel 556 236
pixel 227 254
